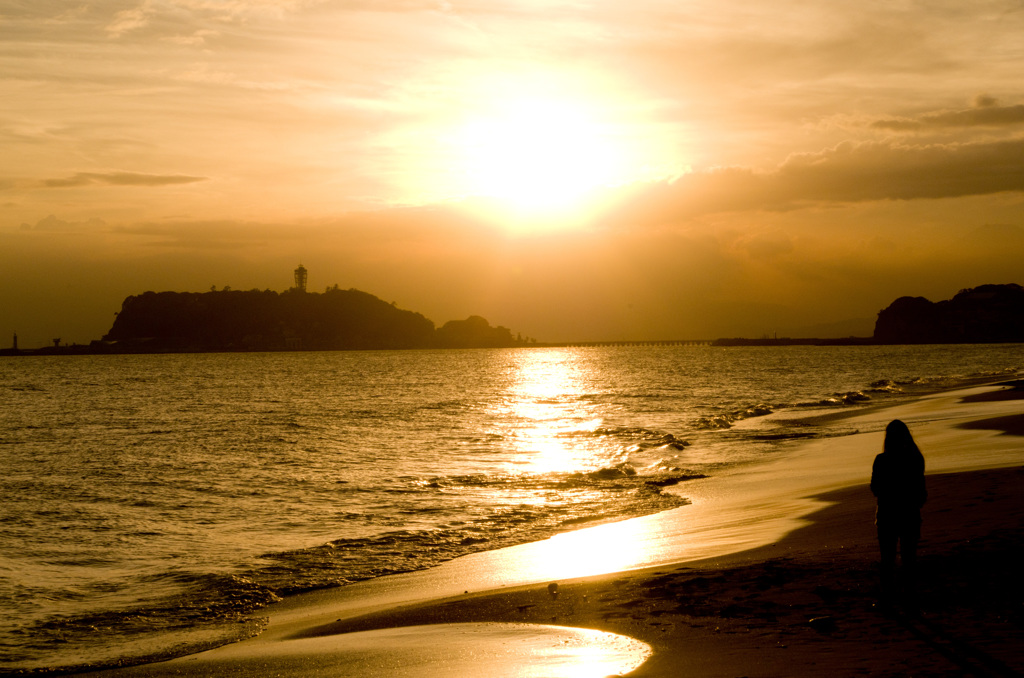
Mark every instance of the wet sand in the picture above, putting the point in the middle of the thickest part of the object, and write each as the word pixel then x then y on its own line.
pixel 746 582
pixel 806 606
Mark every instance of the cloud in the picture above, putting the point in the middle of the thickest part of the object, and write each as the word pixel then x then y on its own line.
pixel 897 124
pixel 204 235
pixel 128 20
pixel 196 39
pixel 847 173
pixel 121 179
pixel 984 101
pixel 52 223
pixel 883 171
pixel 986 113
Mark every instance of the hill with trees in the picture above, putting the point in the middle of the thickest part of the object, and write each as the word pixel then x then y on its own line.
pixel 294 320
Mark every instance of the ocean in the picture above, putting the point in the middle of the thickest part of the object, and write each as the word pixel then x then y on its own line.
pixel 154 505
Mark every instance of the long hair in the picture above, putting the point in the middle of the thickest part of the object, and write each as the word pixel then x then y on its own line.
pixel 900 445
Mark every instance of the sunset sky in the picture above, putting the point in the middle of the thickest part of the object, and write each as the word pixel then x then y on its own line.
pixel 570 170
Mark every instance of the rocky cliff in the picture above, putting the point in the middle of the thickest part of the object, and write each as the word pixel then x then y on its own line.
pixel 985 314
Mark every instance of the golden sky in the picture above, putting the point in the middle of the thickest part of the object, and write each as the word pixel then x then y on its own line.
pixel 571 170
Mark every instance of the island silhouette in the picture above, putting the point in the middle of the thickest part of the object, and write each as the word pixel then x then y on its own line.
pixel 337 319
pixel 255 320
pixel 986 314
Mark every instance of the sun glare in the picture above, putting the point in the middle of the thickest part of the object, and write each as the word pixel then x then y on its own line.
pixel 538 157
pixel 549 422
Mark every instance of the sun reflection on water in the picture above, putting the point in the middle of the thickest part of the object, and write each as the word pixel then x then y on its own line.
pixel 548 416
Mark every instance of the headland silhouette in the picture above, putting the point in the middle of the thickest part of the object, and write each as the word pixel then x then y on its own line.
pixel 297 320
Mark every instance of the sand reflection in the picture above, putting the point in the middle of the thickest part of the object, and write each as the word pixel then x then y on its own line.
pixel 498 650
pixel 598 550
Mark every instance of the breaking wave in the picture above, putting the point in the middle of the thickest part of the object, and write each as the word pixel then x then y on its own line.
pixel 726 420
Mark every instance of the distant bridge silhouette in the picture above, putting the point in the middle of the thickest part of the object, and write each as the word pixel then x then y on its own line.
pixel 644 342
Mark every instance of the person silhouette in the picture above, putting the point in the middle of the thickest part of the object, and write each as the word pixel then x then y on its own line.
pixel 897 481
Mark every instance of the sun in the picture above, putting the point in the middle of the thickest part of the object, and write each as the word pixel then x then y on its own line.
pixel 539 157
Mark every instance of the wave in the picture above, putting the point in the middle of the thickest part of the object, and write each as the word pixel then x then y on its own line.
pixel 604 478
pixel 604 495
pixel 645 435
pixel 26 388
pixel 885 386
pixel 210 610
pixel 840 400
pixel 327 466
pixel 726 420
pixel 879 388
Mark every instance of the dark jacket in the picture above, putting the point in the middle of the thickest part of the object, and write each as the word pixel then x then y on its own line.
pixel 898 483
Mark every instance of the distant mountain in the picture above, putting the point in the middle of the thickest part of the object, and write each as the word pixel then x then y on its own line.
pixel 985 314
pixel 293 320
pixel 474 332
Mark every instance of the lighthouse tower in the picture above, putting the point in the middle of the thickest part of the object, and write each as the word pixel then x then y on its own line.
pixel 300 278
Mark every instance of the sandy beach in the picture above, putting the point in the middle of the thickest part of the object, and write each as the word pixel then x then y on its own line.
pixel 772 571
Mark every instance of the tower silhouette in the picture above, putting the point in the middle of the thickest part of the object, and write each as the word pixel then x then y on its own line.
pixel 300 278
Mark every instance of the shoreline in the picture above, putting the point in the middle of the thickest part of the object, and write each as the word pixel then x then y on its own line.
pixel 811 598
pixel 96 347
pixel 634 594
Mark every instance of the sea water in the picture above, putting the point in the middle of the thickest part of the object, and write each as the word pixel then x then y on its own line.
pixel 153 505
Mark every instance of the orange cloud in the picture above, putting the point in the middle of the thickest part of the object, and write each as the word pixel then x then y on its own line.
pixel 121 179
pixel 847 173
pixel 985 114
